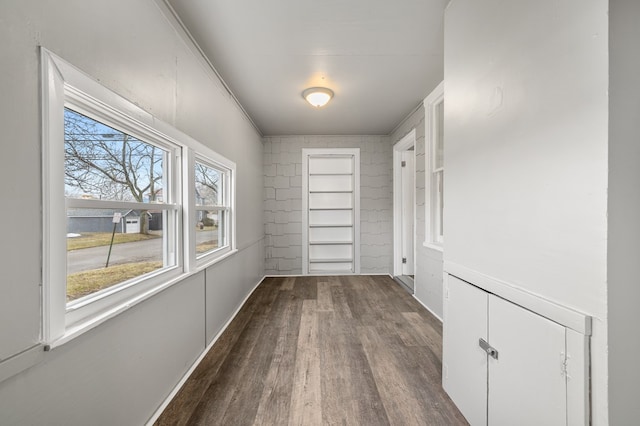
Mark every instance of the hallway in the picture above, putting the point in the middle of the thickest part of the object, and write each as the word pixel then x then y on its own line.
pixel 321 350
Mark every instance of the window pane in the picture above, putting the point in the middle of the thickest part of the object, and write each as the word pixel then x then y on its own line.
pixel 439 135
pixel 210 230
pixel 133 253
pixel 209 186
pixel 106 164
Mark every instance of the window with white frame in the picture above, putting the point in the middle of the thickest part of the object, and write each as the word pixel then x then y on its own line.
pixel 121 215
pixel 212 208
pixel 114 220
pixel 434 123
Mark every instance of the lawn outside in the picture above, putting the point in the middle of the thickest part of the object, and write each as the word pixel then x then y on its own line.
pixel 88 282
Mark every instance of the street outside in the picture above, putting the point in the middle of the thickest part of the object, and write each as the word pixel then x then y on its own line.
pixel 140 251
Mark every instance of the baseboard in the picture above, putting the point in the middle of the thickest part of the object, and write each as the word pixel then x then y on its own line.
pixel 204 353
pixel 328 275
pixel 428 309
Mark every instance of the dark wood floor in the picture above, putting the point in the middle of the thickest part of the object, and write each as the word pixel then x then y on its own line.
pixel 351 350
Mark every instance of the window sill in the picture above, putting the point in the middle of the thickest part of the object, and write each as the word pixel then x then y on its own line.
pixel 433 246
pixel 204 264
pixel 82 327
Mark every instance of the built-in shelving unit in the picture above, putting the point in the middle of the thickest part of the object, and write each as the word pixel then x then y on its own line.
pixel 331 211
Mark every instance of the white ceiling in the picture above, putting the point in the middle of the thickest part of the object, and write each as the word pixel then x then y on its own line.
pixel 380 57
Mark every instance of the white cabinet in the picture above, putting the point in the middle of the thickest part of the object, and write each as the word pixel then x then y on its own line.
pixel 331 203
pixel 505 365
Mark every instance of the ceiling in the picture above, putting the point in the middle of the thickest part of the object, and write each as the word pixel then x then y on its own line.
pixel 380 57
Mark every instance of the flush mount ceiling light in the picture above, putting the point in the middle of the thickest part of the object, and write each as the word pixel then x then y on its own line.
pixel 317 96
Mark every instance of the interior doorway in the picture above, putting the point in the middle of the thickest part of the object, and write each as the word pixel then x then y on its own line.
pixel 404 189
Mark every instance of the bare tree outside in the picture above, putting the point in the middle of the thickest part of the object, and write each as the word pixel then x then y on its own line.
pixel 208 181
pixel 107 164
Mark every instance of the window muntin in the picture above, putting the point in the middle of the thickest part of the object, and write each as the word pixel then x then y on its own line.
pixel 105 165
pixel 434 207
pixel 438 172
pixel 212 207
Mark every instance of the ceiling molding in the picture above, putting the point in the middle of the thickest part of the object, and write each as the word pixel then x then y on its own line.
pixel 395 129
pixel 174 20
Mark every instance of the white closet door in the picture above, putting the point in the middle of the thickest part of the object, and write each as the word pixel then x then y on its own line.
pixel 465 363
pixel 527 385
pixel 330 217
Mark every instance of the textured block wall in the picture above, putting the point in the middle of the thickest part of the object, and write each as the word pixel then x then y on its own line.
pixel 283 200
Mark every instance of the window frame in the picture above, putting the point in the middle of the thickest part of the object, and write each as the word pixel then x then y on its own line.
pixel 434 204
pixel 227 170
pixel 63 85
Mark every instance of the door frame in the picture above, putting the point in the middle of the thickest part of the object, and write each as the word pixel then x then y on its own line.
pixel 404 144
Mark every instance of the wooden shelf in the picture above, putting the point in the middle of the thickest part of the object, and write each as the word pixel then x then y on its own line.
pixel 330 260
pixel 330 243
pixel 330 174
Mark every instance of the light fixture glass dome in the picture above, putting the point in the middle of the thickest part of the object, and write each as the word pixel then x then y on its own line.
pixel 318 96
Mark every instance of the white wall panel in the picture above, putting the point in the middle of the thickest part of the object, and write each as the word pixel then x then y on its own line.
pixel 526 153
pixel 119 372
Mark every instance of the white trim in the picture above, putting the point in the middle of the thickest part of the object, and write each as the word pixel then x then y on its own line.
pixel 433 246
pixel 434 98
pixel 402 145
pixel 156 415
pixel 577 366
pixel 54 261
pixel 80 203
pixel 563 315
pixel 305 212
pixel 190 42
pixel 427 308
pixel 377 274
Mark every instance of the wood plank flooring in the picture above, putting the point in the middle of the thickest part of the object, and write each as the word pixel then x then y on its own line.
pixel 349 350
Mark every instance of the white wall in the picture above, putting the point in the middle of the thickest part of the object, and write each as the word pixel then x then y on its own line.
pixel 121 371
pixel 624 212
pixel 283 200
pixel 428 277
pixel 526 153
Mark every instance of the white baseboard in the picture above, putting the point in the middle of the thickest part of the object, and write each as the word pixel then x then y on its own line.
pixel 428 309
pixel 333 274
pixel 204 353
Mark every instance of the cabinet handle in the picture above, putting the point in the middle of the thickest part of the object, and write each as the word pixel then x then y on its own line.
pixel 491 351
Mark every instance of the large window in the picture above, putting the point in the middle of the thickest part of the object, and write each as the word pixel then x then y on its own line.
pixel 131 205
pixel 434 123
pixel 121 222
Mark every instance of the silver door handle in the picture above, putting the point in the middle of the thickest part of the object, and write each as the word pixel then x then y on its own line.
pixel 491 351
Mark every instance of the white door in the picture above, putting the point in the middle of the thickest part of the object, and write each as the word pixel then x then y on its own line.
pixel 464 369
pixel 527 385
pixel 133 225
pixel 330 201
pixel 408 190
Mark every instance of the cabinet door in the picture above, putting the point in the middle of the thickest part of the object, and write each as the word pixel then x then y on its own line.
pixel 464 375
pixel 527 385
